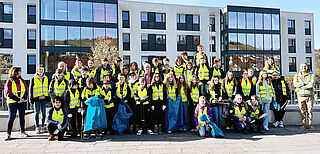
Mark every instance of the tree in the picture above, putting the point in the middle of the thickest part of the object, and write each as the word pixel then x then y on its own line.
pixel 317 64
pixel 5 64
pixel 104 48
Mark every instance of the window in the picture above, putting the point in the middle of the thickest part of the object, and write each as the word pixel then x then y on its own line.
pixel 275 42
pixel 212 44
pixel 309 63
pixel 47 9
pixel 61 10
pixel 188 22
pixel 267 22
pixel 259 41
pixel 292 64
pixel 250 42
pixel 233 41
pixel 292 45
pixel 31 43
pixel 7 8
pixel 126 41
pixel 258 21
pixel 212 24
pixel 196 40
pixel 125 19
pixel 98 12
pixel 111 13
pixel 7 13
pixel 31 64
pixel 31 14
pixel 308 46
pixel 267 42
pixel 99 33
pixel 250 20
pixel 233 23
pixel 126 60
pixel 144 16
pixel 181 18
pixel 153 42
pixel 196 19
pixel 291 26
pixel 73 11
pixel 160 17
pixel 6 38
pixel 47 35
pixel 242 41
pixel 7 34
pixel 187 42
pixel 307 28
pixel 152 20
pixel 181 43
pixel 241 20
pixel 275 22
pixel 60 36
pixel 73 36
pixel 86 11
pixel 144 38
pixel 86 36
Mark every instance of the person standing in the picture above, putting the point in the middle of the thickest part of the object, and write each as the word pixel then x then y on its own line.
pixel 116 69
pixel 58 85
pixel 217 70
pixel 39 96
pixel 16 92
pixel 76 71
pixel 92 71
pixel 246 87
pixel 271 67
pixel 304 83
pixel 102 70
pixel 198 55
pixel 67 75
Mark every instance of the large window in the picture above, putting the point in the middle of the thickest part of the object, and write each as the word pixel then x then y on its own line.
pixel 73 10
pixel 291 26
pixel 275 42
pixel 99 33
pixel 241 20
pixel 188 22
pixel 181 42
pixel 258 21
pixel 7 13
pixel 309 63
pixel 31 42
pixel 86 36
pixel 275 22
pixel 153 42
pixel 292 64
pixel 259 41
pixel 307 28
pixel 250 42
pixel 250 20
pixel 292 45
pixel 267 22
pixel 86 11
pixel 60 36
pixel 308 46
pixel 233 41
pixel 126 41
pixel 242 41
pixel 47 35
pixel 73 36
pixel 181 18
pixel 233 20
pixel 47 9
pixel 98 12
pixel 267 42
pixel 31 14
pixel 31 64
pixel 125 19
pixel 212 44
pixel 111 13
pixel 152 20
pixel 212 24
pixel 6 38
pixel 61 10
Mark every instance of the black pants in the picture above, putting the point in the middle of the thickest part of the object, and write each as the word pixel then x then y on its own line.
pixel 75 121
pixel 132 105
pixel 278 115
pixel 143 113
pixel 110 112
pixel 191 108
pixel 257 124
pixel 52 127
pixel 158 115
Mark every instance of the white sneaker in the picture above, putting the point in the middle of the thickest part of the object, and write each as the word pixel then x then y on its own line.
pixel 139 132
pixel 150 132
pixel 275 124
pixel 24 135
pixel 265 128
pixel 281 124
pixel 38 130
pixel 169 131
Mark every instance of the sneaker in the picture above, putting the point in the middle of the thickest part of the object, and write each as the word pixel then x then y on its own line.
pixel 150 132
pixel 265 128
pixel 169 131
pixel 311 128
pixel 275 124
pixel 38 130
pixel 24 135
pixel 86 136
pixel 98 136
pixel 302 127
pixel 51 138
pixel 281 124
pixel 8 137
pixel 193 130
pixel 139 132
pixel 228 128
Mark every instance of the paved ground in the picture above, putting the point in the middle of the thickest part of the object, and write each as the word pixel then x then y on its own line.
pixel 277 140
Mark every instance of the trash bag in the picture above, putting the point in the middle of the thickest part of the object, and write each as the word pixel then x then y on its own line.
pixel 215 130
pixel 121 118
pixel 96 115
pixel 174 114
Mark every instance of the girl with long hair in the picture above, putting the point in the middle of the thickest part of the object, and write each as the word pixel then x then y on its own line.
pixel 183 91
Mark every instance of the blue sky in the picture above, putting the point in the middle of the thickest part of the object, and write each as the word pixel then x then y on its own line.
pixel 311 6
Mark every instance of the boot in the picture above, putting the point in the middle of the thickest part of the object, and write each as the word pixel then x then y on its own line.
pixel 155 129
pixel 160 128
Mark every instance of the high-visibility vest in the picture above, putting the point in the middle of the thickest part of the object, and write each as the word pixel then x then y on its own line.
pixel 67 76
pixel 297 77
pixel 155 70
pixel 92 73
pixel 239 113
pixel 143 94
pixel 58 115
pixel 87 93
pixel 103 72
pixel 76 72
pixel 74 99
pixel 165 74
pixel 107 96
pixel 40 88
pixel 59 89
pixel 195 94
pixel 172 92
pixel 254 80
pixel 135 72
pixel 267 68
pixel 213 93
pixel 229 88
pixel 216 72
pixel 254 113
pixel 189 76
pixel 15 91
pixel 80 83
pixel 178 71
pixel 205 111
pixel 133 88
pixel 284 88
pixel 263 91
pixel 246 87
pixel 198 59
pixel 183 95
pixel 124 91
pixel 157 93
pixel 114 69
pixel 203 73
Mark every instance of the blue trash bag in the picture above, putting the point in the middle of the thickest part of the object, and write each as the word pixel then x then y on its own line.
pixel 215 130
pixel 121 118
pixel 96 115
pixel 274 106
pixel 174 114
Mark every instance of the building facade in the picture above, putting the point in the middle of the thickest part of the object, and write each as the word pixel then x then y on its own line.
pixel 48 31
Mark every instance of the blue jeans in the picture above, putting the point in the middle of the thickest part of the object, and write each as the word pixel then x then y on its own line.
pixel 40 105
pixel 265 109
pixel 217 115
pixel 203 129
pixel 185 118
pixel 13 107
pixel 240 125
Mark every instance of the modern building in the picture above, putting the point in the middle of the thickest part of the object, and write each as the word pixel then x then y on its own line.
pixel 48 31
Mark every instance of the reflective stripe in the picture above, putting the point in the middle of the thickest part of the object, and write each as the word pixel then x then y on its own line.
pixel 177 71
pixel 183 95
pixel 195 94
pixel 216 72
pixel 255 113
pixel 58 116
pixel 124 93
pixel 92 73
pixel 172 93
pixel 16 92
pixel 87 92
pixel 229 88
pixel 284 88
pixel 237 112
pixel 74 99
pixel 203 72
pixel 263 91
pixel 205 111
pixel 59 89
pixel 76 72
pixel 157 93
pixel 246 87
pixel 102 73
pixel 133 88
pixel 189 77
pixel 40 88
pixel 143 94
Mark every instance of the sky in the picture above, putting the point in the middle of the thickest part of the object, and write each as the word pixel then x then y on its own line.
pixel 310 6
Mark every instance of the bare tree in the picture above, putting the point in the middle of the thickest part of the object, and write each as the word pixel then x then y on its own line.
pixel 104 48
pixel 5 64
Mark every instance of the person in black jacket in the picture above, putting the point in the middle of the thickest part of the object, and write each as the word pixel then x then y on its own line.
pixel 282 92
pixel 254 112
pixel 57 120
pixel 102 70
pixel 245 87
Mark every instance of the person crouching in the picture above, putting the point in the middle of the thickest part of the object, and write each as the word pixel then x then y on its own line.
pixel 238 112
pixel 57 120
pixel 202 108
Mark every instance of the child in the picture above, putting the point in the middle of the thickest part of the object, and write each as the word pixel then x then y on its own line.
pixel 193 97
pixel 188 72
pixel 83 79
pixel 135 69
pixel 158 104
pixel 122 90
pixel 178 67
pixel 254 112
pixel 142 98
pixel 202 72
pixel 217 70
pixel 133 85
pixel 58 85
pixel 166 70
pixel 229 85
pixel 126 73
pixel 183 91
pixel 156 67
pixel 57 120
pixel 245 87
pixel 108 93
pixel 202 108
pixel 238 113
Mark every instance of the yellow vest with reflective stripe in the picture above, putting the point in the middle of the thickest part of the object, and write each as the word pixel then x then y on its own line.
pixel 143 94
pixel 114 69
pixel 263 91
pixel 58 116
pixel 229 88
pixel 178 71
pixel 165 74
pixel 59 89
pixel 183 95
pixel 205 111
pixel 74 99
pixel 157 93
pixel 87 93
pixel 40 88
pixel 92 73
pixel 67 76
pixel 133 88
pixel 216 72
pixel 254 80
pixel 246 87
pixel 195 94
pixel 284 88
pixel 124 91
pixel 15 91
pixel 76 73
pixel 203 72
pixel 155 71
pixel 172 92
pixel 238 113
pixel 80 83
pixel 102 73
pixel 198 59
pixel 189 76
pixel 253 114
pixel 107 96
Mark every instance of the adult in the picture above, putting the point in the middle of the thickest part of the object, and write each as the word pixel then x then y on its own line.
pixel 271 67
pixel 92 71
pixel 67 75
pixel 304 83
pixel 39 96
pixel 16 92
pixel 102 70
pixel 76 71
pixel 198 55
pixel 116 69
pixel 147 74
pixel 282 92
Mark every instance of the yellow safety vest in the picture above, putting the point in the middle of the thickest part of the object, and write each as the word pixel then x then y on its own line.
pixel 189 76
pixel 58 116
pixel 155 71
pixel 239 113
pixel 216 72
pixel 213 93
pixel 229 88
pixel 203 73
pixel 263 91
pixel 157 93
pixel 75 72
pixel 143 94
pixel 205 111
pixel 15 91
pixel 183 95
pixel 198 59
pixel 67 76
pixel 74 99
pixel 86 93
pixel 195 94
pixel 296 76
pixel 59 89
pixel 246 87
pixel 284 88
pixel 124 93
pixel 92 73
pixel 178 71
pixel 107 96
pixel 135 72
pixel 254 80
pixel 253 114
pixel 40 88
pixel 133 88
pixel 114 69
pixel 80 83
pixel 165 74
pixel 102 73
pixel 172 92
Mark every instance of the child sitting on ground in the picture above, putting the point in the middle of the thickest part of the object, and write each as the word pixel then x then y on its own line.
pixel 238 113
pixel 254 113
pixel 202 108
pixel 57 120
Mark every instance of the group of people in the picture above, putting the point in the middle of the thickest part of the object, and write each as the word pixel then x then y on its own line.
pixel 162 98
